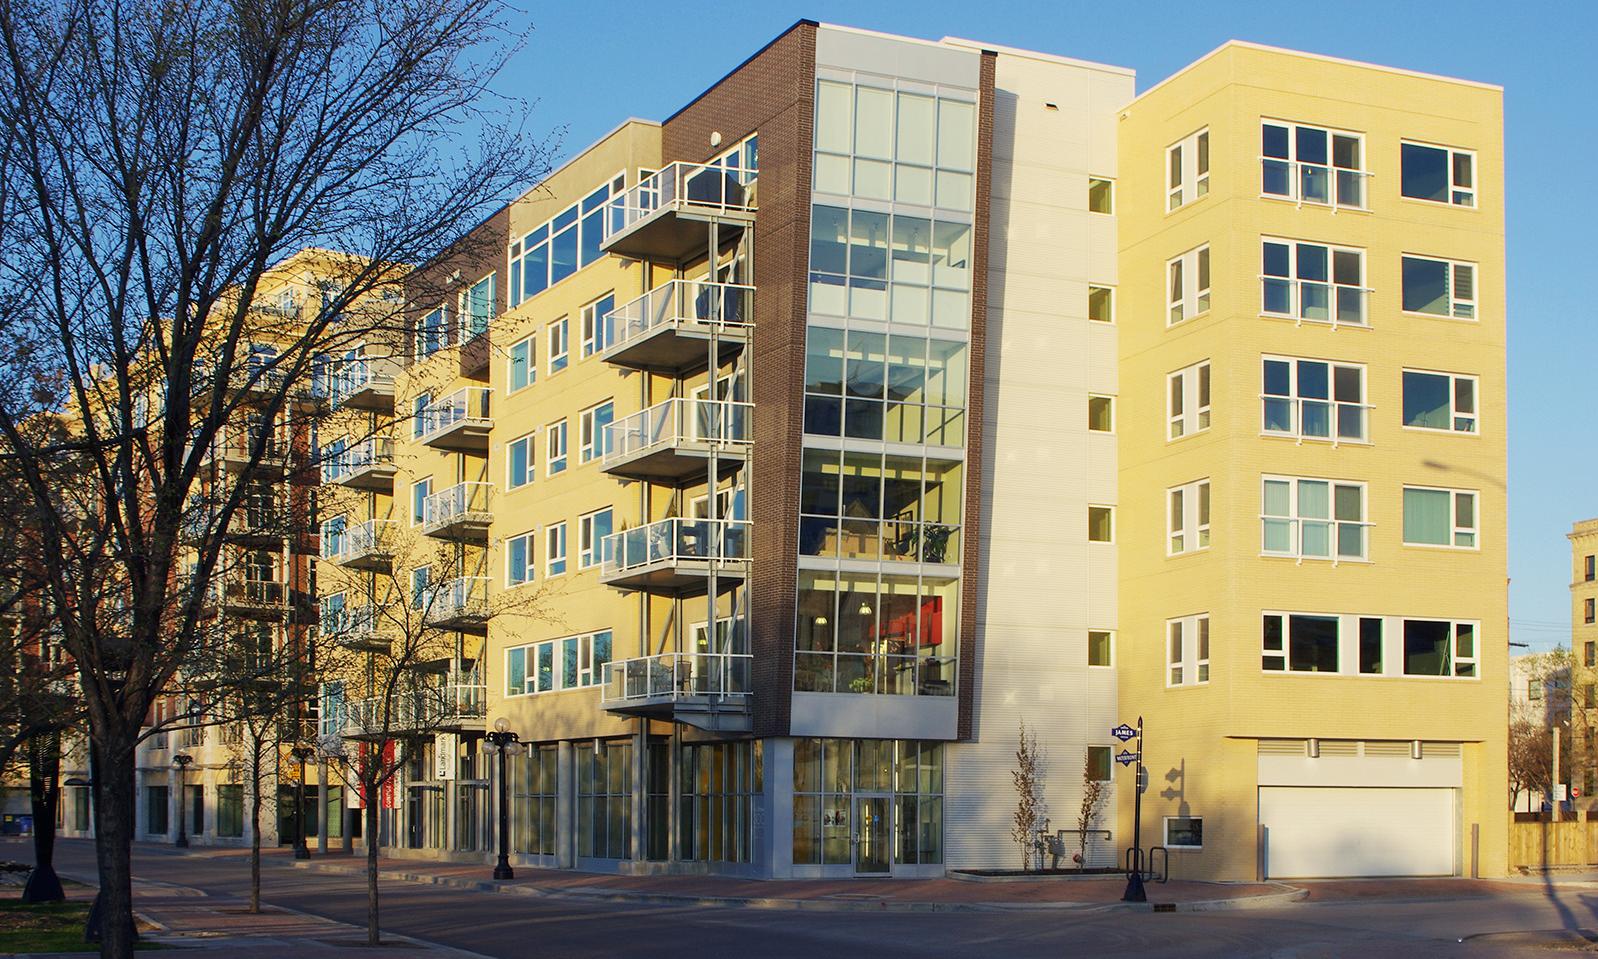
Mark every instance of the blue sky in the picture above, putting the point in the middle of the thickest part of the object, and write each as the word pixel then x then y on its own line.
pixel 590 65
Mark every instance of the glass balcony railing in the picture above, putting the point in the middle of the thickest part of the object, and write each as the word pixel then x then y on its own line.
pixel 676 305
pixel 677 423
pixel 359 376
pixel 462 408
pixel 678 185
pixel 461 698
pixel 674 676
pixel 459 503
pixel 375 452
pixel 675 541
pixel 465 597
pixel 372 539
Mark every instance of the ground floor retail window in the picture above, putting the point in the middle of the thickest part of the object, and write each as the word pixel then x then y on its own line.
pixel 80 808
pixel 833 778
pixel 720 786
pixel 533 779
pixel 604 800
pixel 196 810
pixel 155 810
pixel 230 810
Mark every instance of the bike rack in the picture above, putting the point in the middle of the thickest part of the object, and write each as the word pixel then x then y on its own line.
pixel 1135 861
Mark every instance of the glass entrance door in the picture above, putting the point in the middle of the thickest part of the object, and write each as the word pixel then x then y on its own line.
pixel 872 856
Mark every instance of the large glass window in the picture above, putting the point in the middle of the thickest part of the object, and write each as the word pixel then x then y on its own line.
pixel 720 786
pixel 894 635
pixel 1312 164
pixel 1439 287
pixel 907 147
pixel 1187 170
pixel 1313 518
pixel 571 662
pixel 1314 399
pixel 556 249
pixel 1439 401
pixel 533 780
pixel 827 773
pixel 1439 174
pixel 1439 517
pixel 900 267
pixel 1188 285
pixel 1312 281
pixel 875 506
pixel 1439 648
pixel 230 810
pixel 1187 401
pixel 604 800
pixel 1301 644
pixel 867 385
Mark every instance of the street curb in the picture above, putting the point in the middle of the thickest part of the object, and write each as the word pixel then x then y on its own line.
pixel 1271 900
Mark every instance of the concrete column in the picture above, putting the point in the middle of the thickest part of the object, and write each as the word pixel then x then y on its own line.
pixel 640 806
pixel 773 833
pixel 322 807
pixel 674 797
pixel 565 806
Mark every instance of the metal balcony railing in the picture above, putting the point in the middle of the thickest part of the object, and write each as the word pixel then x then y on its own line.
pixel 465 408
pixel 462 599
pixel 678 423
pixel 363 376
pixel 682 312
pixel 676 541
pixel 678 185
pixel 463 503
pixel 677 676
pixel 461 699
pixel 372 453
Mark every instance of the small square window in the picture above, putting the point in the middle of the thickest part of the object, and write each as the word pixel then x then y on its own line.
pixel 1101 195
pixel 1099 764
pixel 1101 524
pixel 1101 648
pixel 1184 832
pixel 1101 414
pixel 1101 304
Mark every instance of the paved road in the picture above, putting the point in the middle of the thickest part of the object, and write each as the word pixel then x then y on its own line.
pixel 1518 923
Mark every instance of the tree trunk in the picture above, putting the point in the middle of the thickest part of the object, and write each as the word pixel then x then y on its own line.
pixel 113 839
pixel 255 828
pixel 372 844
pixel 44 788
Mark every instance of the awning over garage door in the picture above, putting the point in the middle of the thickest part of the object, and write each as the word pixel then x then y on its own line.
pixel 1334 831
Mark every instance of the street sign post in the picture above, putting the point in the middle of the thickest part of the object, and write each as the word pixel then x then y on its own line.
pixel 1140 779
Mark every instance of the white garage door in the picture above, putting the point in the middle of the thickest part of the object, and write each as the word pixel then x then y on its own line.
pixel 1357 831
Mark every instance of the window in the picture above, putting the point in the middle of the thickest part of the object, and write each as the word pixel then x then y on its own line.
pixel 1187 407
pixel 1439 174
pixel 555 447
pixel 555 549
pixel 1534 690
pixel 430 333
pixel 1101 648
pixel 1589 695
pixel 593 315
pixel 913 270
pixel 519 560
pixel 1188 285
pixel 523 365
pixel 1439 517
pixel 1590 571
pixel 1101 304
pixel 899 388
pixel 1101 195
pixel 874 506
pixel 1314 399
pixel 557 345
pixel 333 536
pixel 870 634
pixel 419 405
pixel 1187 515
pixel 1312 165
pixel 476 307
pixel 1588 610
pixel 420 491
pixel 1313 518
pixel 1439 287
pixel 1301 643
pixel 1184 832
pixel 1099 764
pixel 894 145
pixel 229 810
pixel 1101 524
pixel 558 248
pixel 420 577
pixel 572 662
pixel 519 466
pixel 1101 414
pixel 592 532
pixel 1590 654
pixel 1312 281
pixel 1187 650
pixel 155 809
pixel 591 431
pixel 1187 170
pixel 1439 648
pixel 1439 401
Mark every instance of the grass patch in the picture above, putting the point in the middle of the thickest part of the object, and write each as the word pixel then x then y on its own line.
pixel 46 927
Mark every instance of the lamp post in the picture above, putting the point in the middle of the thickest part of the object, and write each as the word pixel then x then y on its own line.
pixel 182 760
pixel 504 743
pixel 301 851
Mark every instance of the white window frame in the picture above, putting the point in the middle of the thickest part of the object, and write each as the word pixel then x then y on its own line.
pixel 1184 182
pixel 1350 635
pixel 1188 512
pixel 592 324
pixel 1101 396
pixel 440 337
pixel 1108 289
pixel 1165 834
pixel 420 576
pixel 1295 166
pixel 512 481
pixel 1101 542
pixel 464 317
pixel 1453 188
pixel 1455 529
pixel 1346 650
pixel 1194 415
pixel 1296 402
pixel 590 435
pixel 1109 665
pixel 1296 522
pixel 555 549
pixel 426 485
pixel 587 675
pixel 529 568
pixel 1333 288
pixel 419 404
pixel 1458 307
pixel 1187 652
pixel 555 448
pixel 590 553
pixel 1185 298
pixel 1454 414
pixel 530 342
pixel 559 352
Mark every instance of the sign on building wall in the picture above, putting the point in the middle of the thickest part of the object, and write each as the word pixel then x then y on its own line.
pixel 445 746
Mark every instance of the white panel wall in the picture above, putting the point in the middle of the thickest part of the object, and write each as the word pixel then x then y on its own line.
pixel 1042 586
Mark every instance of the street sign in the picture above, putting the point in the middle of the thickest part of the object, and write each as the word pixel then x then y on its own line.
pixel 1127 758
pixel 1123 732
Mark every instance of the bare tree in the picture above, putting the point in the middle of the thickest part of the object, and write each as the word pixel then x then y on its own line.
pixel 1530 759
pixel 1028 793
pixel 1094 791
pixel 155 161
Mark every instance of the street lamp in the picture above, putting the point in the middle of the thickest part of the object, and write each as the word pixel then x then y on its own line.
pixel 181 760
pixel 505 743
pixel 301 851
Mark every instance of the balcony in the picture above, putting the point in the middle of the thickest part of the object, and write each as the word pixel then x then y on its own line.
pixel 364 383
pixel 366 546
pixel 671 442
pixel 258 525
pixel 663 216
pixel 459 422
pixel 353 627
pixel 675 556
pixel 459 514
pixel 460 604
pixel 255 598
pixel 668 329
pixel 457 703
pixel 709 691
pixel 231 452
pixel 367 465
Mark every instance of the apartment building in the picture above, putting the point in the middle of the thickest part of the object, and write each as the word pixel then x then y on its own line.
pixel 1312 472
pixel 1582 680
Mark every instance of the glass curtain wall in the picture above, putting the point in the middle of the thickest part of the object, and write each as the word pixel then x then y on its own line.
pixel 829 773
pixel 533 783
pixel 604 800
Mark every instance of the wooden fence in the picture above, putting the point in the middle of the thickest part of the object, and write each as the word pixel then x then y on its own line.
pixel 1541 844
